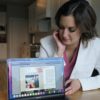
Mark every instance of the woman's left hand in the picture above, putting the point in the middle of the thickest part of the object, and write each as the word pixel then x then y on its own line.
pixel 73 85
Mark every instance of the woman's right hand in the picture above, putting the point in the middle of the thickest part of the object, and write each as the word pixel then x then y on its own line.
pixel 60 45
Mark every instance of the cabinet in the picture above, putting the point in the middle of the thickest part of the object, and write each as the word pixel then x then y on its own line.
pixel 3 18
pixel 39 16
pixel 2 24
pixel 43 8
pixel 32 18
pixel 42 15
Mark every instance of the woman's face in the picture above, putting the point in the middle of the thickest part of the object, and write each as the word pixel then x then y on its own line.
pixel 68 31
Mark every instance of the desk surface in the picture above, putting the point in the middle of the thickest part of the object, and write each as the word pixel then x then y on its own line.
pixel 89 95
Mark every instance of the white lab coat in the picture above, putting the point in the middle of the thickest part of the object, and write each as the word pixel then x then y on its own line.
pixel 87 59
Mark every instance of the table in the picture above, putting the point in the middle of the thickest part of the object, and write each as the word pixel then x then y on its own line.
pixel 88 95
pixel 3 95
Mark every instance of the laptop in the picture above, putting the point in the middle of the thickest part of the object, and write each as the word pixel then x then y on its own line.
pixel 35 78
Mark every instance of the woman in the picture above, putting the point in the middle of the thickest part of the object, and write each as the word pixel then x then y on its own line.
pixel 77 41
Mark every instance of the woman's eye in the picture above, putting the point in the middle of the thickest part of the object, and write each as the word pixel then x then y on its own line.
pixel 72 29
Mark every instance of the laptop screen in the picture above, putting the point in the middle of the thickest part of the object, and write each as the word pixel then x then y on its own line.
pixel 35 77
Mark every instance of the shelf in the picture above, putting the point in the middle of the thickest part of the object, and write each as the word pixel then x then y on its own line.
pixel 3 38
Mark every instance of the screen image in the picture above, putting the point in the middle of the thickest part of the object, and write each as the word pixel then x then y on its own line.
pixel 35 77
pixel 31 82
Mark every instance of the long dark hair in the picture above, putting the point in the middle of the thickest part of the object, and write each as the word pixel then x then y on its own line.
pixel 84 15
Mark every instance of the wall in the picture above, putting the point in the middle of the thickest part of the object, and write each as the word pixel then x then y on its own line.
pixel 2 8
pixel 96 6
pixel 17 28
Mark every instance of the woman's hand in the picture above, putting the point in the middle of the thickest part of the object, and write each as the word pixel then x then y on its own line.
pixel 61 47
pixel 73 85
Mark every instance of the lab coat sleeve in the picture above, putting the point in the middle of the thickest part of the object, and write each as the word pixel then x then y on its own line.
pixel 92 82
pixel 43 52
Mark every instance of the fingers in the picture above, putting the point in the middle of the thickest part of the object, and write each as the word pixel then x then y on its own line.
pixel 60 45
pixel 69 92
pixel 68 88
pixel 72 86
pixel 55 35
pixel 68 82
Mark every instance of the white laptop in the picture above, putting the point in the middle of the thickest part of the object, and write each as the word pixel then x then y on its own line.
pixel 35 78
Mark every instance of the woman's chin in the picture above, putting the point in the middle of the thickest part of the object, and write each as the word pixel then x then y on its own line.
pixel 67 43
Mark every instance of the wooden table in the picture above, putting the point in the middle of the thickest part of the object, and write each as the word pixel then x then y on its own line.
pixel 89 95
pixel 3 95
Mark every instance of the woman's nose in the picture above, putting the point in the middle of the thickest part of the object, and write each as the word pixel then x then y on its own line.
pixel 65 32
